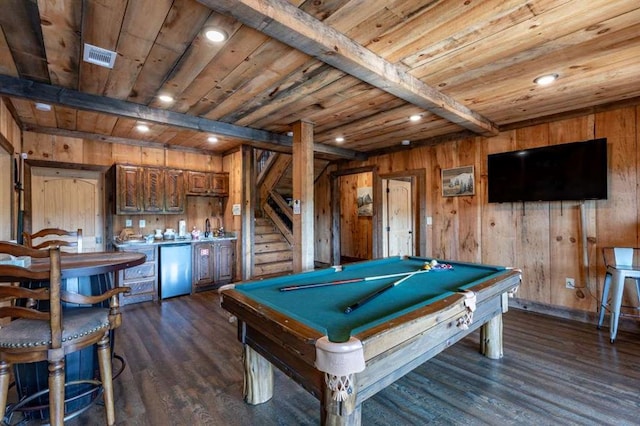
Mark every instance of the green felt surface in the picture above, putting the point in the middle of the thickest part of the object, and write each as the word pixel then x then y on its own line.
pixel 323 308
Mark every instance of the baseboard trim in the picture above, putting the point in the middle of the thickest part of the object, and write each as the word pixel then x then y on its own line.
pixel 625 323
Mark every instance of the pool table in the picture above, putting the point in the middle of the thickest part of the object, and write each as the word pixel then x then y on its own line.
pixel 345 358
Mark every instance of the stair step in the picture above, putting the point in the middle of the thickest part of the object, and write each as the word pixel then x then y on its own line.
pixel 263 221
pixel 272 268
pixel 271 246
pixel 273 256
pixel 264 229
pixel 267 238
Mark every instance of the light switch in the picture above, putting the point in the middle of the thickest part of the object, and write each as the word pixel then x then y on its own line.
pixel 128 223
pixel 429 220
pixel 142 223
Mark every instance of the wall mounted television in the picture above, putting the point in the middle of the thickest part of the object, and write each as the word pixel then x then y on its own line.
pixel 570 171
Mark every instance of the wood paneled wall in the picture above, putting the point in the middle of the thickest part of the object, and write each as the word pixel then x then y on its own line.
pixel 68 150
pixel 544 238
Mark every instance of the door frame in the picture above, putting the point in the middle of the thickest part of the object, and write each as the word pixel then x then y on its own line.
pixel 417 178
pixel 335 210
pixel 27 189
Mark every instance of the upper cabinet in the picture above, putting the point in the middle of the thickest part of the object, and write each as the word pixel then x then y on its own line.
pixel 211 184
pixel 158 190
pixel 149 190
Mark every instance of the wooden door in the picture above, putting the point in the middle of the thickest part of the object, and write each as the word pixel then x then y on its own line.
pixel 397 218
pixel 153 190
pixel 68 199
pixel 6 189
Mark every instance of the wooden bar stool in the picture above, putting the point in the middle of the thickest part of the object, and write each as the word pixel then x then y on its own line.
pixel 38 335
pixel 620 266
pixel 54 236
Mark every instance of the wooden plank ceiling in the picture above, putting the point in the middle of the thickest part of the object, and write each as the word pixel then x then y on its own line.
pixel 357 69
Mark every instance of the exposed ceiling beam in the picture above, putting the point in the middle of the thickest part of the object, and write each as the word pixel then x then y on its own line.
pixel 27 89
pixel 285 22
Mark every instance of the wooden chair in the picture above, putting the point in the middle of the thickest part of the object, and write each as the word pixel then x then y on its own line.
pixel 621 265
pixel 34 335
pixel 53 236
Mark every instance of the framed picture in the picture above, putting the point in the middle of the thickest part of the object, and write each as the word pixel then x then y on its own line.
pixel 365 201
pixel 458 181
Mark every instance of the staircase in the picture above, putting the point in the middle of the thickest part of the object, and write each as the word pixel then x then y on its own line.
pixel 273 254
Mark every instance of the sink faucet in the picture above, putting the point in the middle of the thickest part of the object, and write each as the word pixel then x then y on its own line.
pixel 207 228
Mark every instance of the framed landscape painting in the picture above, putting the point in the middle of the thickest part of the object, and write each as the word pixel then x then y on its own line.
pixel 458 181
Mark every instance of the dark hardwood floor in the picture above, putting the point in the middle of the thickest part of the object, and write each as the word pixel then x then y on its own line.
pixel 184 368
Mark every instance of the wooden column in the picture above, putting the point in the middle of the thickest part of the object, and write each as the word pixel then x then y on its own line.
pixel 303 233
pixel 248 211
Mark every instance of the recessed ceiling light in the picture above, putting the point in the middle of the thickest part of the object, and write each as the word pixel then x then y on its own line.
pixel 212 139
pixel 166 98
pixel 43 107
pixel 215 35
pixel 406 142
pixel 415 117
pixel 543 80
pixel 339 139
pixel 289 133
pixel 142 128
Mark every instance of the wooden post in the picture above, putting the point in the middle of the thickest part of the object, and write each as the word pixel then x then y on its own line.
pixel 303 232
pixel 248 211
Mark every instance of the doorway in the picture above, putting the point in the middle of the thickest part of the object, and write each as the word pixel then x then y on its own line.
pixel 397 217
pixel 402 224
pixel 68 199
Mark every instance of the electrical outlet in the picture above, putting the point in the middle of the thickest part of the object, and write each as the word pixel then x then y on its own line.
pixel 128 223
pixel 142 223
pixel 570 283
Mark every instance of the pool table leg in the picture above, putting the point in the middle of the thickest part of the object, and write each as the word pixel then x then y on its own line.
pixel 491 338
pixel 340 413
pixel 258 377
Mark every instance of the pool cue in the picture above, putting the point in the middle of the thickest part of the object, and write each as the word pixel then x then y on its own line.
pixel 352 280
pixel 377 293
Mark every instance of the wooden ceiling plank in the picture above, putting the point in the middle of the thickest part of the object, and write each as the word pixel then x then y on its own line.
pixel 101 23
pixel 21 28
pixel 244 42
pixel 257 66
pixel 196 58
pixel 314 80
pixel 307 105
pixel 142 22
pixel 7 64
pixel 293 69
pixel 61 22
pixel 183 23
pixel 12 86
pixel 281 20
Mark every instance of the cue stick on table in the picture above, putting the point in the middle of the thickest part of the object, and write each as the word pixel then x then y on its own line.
pixel 377 293
pixel 352 280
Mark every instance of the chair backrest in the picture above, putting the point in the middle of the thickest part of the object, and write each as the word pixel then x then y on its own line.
pixel 21 300
pixel 619 257
pixel 54 236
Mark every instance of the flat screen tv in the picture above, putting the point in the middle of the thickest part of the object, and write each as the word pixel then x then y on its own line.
pixel 571 171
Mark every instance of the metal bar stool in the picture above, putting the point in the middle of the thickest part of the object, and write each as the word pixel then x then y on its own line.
pixel 620 266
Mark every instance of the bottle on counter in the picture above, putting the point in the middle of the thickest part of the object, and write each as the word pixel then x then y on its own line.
pixel 195 234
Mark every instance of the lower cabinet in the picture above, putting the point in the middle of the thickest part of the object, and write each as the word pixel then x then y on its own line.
pixel 142 279
pixel 213 264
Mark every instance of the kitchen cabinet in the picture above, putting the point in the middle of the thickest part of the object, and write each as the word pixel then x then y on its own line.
pixel 211 184
pixel 152 190
pixel 128 189
pixel 142 279
pixel 213 264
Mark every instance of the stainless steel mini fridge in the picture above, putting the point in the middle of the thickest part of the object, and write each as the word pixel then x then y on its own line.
pixel 175 270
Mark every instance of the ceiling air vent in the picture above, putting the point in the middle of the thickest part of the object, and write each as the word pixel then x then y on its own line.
pixel 99 56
